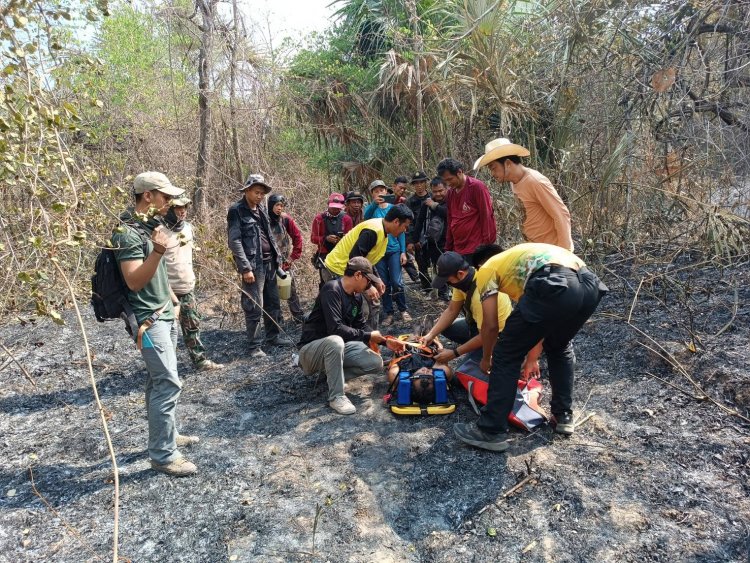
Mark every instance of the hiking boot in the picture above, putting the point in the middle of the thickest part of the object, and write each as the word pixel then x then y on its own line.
pixel 178 468
pixel 563 423
pixel 405 316
pixel 208 365
pixel 280 341
pixel 257 354
pixel 342 405
pixel 471 434
pixel 387 320
pixel 186 441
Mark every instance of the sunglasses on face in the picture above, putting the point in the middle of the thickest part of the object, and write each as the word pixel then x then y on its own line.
pixel 369 281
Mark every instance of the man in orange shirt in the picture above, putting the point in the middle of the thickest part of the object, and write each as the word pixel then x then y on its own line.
pixel 547 218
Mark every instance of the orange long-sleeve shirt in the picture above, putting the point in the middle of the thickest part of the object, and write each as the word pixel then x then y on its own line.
pixel 547 218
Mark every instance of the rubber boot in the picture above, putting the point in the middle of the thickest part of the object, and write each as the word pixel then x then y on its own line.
pixel 252 328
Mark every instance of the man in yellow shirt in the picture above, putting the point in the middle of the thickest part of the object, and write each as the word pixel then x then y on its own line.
pixel 546 218
pixel 453 270
pixel 556 295
pixel 368 239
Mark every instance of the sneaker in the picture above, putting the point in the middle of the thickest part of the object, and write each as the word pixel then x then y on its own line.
pixel 471 434
pixel 563 423
pixel 186 441
pixel 178 468
pixel 387 320
pixel 208 365
pixel 342 405
pixel 405 316
pixel 280 341
pixel 257 353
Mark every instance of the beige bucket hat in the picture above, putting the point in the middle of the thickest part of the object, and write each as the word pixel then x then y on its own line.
pixel 498 148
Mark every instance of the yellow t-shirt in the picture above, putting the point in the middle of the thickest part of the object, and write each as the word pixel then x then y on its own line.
pixel 337 258
pixel 504 306
pixel 508 271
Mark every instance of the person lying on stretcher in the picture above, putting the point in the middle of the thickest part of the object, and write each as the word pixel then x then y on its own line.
pixel 419 360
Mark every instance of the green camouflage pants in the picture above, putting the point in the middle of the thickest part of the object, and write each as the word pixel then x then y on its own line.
pixel 190 321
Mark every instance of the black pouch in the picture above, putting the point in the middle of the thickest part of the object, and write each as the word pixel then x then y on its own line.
pixel 317 261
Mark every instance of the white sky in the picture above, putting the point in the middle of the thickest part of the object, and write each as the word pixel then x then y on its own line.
pixel 287 18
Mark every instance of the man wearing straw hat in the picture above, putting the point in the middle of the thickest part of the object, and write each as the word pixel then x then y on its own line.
pixel 547 219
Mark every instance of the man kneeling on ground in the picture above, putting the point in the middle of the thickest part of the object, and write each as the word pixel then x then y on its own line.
pixel 346 351
pixel 453 270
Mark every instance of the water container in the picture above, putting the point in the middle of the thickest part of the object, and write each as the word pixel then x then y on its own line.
pixel 285 286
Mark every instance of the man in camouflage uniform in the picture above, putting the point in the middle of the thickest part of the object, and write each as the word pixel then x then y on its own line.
pixel 179 259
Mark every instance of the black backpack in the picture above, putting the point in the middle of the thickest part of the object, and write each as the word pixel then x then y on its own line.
pixel 109 292
pixel 434 228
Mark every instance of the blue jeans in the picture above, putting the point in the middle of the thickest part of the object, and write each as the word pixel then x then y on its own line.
pixel 389 270
pixel 163 388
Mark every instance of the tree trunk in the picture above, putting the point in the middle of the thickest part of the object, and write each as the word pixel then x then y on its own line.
pixel 418 46
pixel 207 11
pixel 233 47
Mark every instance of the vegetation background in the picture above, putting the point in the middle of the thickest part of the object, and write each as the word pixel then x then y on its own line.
pixel 637 111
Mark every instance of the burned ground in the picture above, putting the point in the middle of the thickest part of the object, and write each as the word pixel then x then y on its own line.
pixel 653 475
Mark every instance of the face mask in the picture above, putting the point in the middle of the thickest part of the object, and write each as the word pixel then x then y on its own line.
pixel 465 283
pixel 172 222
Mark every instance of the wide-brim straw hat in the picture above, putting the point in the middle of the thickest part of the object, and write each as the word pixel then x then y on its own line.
pixel 498 148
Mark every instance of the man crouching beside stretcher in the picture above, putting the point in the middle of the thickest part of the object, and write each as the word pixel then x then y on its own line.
pixel 454 271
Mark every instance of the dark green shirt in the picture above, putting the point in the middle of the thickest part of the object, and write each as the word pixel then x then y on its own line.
pixel 129 246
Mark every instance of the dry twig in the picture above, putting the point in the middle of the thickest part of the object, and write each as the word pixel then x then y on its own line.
pixel 583 420
pixel 530 478
pixel 70 528
pixel 23 369
pixel 664 354
pixel 102 413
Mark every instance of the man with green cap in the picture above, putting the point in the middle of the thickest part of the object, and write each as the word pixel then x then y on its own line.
pixel 140 243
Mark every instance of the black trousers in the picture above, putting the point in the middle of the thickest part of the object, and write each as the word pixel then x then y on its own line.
pixel 556 303
pixel 459 331
pixel 423 263
pixel 261 299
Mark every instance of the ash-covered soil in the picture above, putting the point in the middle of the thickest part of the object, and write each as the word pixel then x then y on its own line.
pixel 651 475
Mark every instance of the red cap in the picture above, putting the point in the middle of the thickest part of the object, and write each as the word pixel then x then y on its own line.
pixel 336 200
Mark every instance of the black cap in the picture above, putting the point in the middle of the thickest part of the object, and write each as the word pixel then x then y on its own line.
pixel 419 177
pixel 362 264
pixel 448 265
pixel 354 195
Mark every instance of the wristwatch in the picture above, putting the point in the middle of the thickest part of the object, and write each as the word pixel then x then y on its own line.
pixel 455 351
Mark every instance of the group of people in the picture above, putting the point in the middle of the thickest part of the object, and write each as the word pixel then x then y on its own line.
pixel 447 225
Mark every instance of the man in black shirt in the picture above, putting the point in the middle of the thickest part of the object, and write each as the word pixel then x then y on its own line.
pixel 428 235
pixel 346 351
pixel 415 202
pixel 257 259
